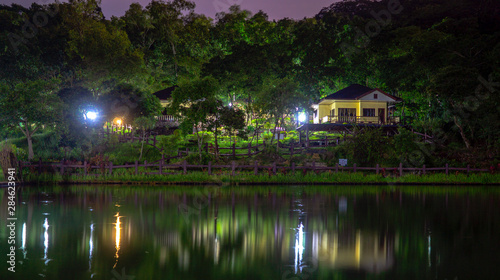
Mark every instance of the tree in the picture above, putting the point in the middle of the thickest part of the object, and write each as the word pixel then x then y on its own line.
pixel 280 98
pixel 231 118
pixel 143 124
pixel 197 103
pixel 128 102
pixel 29 106
pixel 77 101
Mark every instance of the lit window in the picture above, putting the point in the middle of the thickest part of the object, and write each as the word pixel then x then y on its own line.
pixel 369 112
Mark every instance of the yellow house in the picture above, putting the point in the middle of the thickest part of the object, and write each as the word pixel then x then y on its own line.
pixel 356 104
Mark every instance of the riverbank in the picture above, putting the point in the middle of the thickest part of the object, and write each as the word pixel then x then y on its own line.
pixel 326 178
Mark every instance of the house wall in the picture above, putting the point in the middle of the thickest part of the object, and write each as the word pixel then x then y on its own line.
pixel 323 110
pixel 380 97
pixel 359 105
pixel 373 105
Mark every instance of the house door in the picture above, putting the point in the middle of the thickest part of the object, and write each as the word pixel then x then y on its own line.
pixel 381 115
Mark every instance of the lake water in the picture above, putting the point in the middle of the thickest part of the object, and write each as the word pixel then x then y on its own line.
pixel 313 232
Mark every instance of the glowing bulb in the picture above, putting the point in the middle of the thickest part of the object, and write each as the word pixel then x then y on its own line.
pixel 91 115
pixel 118 121
pixel 302 117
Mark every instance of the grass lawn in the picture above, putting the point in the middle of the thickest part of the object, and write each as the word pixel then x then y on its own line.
pixel 248 178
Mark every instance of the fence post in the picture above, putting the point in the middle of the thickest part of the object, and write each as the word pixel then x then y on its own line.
pixel 336 168
pixel 468 169
pixel 206 148
pixel 110 168
pixel 446 167
pixel 314 166
pixel 291 149
pixel 326 141
pixel 136 167
pixel 423 169
pixel 274 168
pixel 354 167
pixel 184 167
pixel 233 167
pixel 376 168
pixel 210 168
pixel 249 149
pixel 255 168
pixel 85 168
pixel 39 165
pixel 293 167
pixel 160 165
pixel 154 140
pixel 234 150
pixel 62 166
pixel 400 169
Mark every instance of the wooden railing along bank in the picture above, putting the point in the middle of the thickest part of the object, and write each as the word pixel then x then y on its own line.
pixel 162 168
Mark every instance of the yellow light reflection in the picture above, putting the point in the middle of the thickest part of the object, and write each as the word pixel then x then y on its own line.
pixel 117 237
pixel 358 248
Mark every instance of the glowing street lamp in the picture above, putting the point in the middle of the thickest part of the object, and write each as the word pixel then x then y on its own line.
pixel 91 115
pixel 302 117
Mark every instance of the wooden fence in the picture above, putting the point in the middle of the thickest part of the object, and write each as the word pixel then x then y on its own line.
pixel 162 168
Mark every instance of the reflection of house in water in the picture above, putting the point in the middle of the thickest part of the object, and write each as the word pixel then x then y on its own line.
pixel 369 251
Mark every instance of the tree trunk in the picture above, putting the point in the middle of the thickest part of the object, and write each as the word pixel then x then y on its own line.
pixel 200 141
pixel 175 58
pixel 142 144
pixel 29 138
pixel 274 131
pixel 31 154
pixel 462 133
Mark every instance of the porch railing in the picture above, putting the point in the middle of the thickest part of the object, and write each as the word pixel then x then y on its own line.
pixel 359 119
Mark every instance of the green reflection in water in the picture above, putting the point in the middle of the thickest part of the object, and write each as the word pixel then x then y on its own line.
pixel 104 232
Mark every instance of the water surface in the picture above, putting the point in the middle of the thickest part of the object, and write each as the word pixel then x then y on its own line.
pixel 157 232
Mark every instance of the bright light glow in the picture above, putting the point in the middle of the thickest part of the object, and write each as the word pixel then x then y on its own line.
pixel 117 237
pixel 24 241
pixel 91 246
pixel 91 115
pixel 302 117
pixel 299 248
pixel 46 241
pixel 119 121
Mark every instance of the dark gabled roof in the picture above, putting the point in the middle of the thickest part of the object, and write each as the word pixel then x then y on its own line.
pixel 350 92
pixel 353 92
pixel 165 94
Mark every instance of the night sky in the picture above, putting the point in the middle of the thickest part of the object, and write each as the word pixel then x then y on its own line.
pixel 276 9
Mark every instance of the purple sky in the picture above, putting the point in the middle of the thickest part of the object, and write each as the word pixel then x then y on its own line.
pixel 276 9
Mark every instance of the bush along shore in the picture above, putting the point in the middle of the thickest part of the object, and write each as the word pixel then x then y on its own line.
pixel 281 178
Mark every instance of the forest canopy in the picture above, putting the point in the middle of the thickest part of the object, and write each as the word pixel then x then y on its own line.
pixel 442 57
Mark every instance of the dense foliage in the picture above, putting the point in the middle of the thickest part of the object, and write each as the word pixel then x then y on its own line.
pixel 442 57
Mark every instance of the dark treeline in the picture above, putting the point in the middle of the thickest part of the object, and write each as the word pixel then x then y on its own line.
pixel 442 57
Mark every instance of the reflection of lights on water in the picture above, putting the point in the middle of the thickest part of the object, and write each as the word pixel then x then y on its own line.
pixel 429 249
pixel 91 245
pixel 299 247
pixel 46 240
pixel 24 240
pixel 117 236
